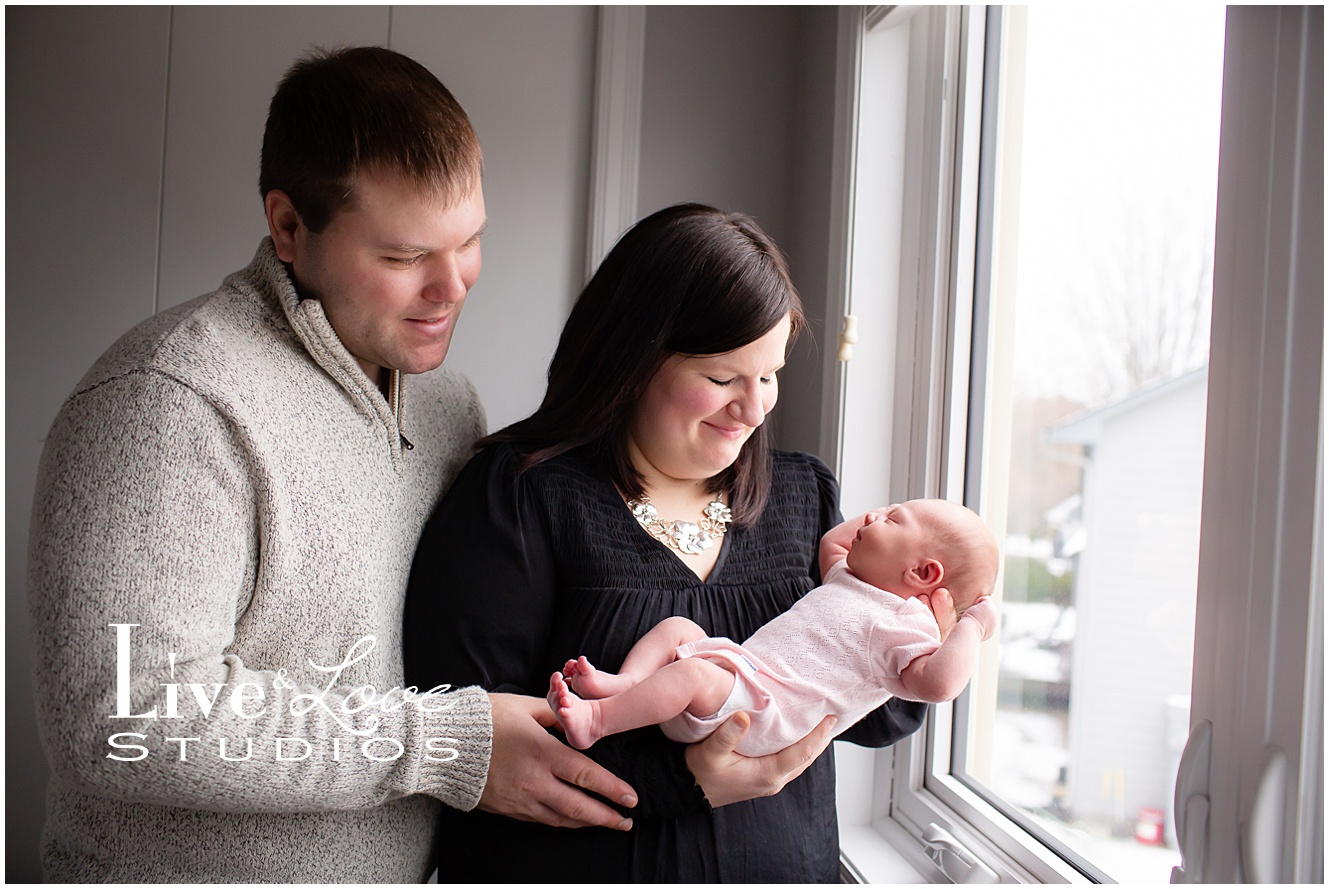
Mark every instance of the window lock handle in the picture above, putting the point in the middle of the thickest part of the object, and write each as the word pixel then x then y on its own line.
pixel 848 336
pixel 956 862
pixel 1191 805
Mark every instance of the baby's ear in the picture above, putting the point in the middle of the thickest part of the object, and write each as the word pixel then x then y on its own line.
pixel 927 573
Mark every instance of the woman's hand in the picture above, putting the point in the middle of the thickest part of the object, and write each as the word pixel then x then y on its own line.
pixel 942 606
pixel 535 777
pixel 728 777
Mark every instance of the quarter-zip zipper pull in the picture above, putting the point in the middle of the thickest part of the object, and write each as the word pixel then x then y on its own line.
pixel 394 402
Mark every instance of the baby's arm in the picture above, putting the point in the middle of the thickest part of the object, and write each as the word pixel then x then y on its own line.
pixel 943 674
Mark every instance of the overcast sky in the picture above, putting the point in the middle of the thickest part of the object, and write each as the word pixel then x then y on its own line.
pixel 1120 144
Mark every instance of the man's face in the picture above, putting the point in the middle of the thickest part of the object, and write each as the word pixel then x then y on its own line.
pixel 392 271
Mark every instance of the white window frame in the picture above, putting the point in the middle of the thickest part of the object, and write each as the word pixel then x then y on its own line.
pixel 1251 804
pixel 620 59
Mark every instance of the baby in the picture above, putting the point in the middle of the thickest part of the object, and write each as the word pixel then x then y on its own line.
pixel 870 632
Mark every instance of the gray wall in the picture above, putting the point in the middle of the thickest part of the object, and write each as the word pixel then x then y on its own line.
pixel 737 112
pixel 132 165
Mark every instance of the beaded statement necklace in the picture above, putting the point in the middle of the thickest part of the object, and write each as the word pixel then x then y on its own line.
pixel 688 538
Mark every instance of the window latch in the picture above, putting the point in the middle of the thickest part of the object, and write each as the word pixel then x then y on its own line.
pixel 848 336
pixel 1192 805
pixel 956 862
pixel 1262 852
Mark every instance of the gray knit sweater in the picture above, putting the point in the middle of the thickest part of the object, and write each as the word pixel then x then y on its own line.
pixel 228 481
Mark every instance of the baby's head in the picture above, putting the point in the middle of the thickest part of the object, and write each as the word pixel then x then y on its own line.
pixel 915 547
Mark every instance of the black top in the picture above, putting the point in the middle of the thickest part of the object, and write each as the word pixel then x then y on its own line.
pixel 513 577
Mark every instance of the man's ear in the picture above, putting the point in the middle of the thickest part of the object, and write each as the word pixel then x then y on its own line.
pixel 927 573
pixel 284 224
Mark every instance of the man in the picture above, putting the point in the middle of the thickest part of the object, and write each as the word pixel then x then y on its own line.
pixel 226 511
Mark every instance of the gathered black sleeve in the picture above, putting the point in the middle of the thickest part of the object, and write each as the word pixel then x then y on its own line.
pixel 481 593
pixel 896 718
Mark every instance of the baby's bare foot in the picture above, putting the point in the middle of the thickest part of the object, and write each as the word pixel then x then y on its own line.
pixel 575 716
pixel 594 684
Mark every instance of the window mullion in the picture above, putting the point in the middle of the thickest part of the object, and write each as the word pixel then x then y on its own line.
pixel 1259 645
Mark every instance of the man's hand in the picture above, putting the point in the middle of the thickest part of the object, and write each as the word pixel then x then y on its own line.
pixel 535 777
pixel 728 777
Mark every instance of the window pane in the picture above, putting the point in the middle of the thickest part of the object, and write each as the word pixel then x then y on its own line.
pixel 1103 245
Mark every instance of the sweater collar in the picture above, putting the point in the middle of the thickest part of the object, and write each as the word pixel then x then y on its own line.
pixel 314 331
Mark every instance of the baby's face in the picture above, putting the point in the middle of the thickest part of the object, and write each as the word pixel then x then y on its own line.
pixel 894 547
pixel 890 543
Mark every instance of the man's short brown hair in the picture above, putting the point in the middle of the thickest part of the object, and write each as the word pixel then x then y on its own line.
pixel 340 113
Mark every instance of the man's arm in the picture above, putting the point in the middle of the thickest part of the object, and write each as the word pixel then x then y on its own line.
pixel 145 515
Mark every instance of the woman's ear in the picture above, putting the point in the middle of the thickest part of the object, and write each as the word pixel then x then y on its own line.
pixel 284 224
pixel 927 573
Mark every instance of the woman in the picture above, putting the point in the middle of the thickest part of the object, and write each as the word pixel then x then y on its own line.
pixel 643 487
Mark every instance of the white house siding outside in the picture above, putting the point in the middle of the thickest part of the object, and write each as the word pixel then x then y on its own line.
pixel 1135 597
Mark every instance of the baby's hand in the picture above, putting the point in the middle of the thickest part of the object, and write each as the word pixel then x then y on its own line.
pixel 985 612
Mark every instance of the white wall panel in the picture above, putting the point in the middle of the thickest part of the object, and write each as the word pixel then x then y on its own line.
pixel 225 63
pixel 524 76
pixel 736 113
pixel 715 128
pixel 83 128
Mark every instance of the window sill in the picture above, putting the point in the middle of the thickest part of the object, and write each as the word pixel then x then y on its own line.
pixel 876 859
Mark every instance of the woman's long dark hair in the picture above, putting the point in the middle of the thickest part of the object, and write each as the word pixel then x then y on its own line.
pixel 686 280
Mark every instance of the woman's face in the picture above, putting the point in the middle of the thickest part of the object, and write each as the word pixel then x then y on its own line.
pixel 698 412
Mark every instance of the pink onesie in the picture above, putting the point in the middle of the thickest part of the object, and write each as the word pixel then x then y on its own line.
pixel 839 650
